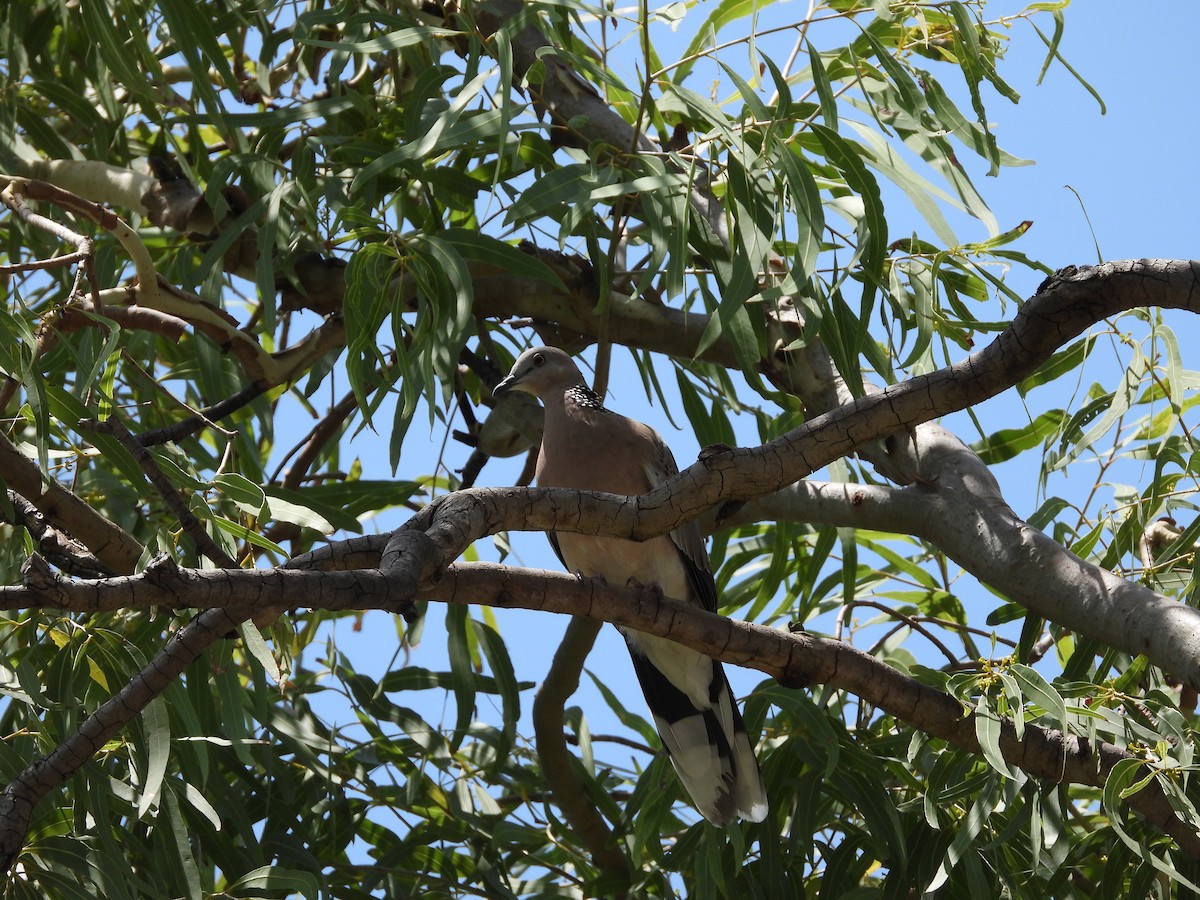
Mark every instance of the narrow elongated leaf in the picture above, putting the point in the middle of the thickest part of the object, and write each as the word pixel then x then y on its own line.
pixel 394 40
pixel 1008 442
pixel 181 842
pixel 287 511
pixel 725 12
pixel 462 666
pixel 569 185
pixel 1039 691
pixel 157 727
pixel 241 490
pixel 820 78
pixel 275 878
pixel 1066 360
pixel 1120 783
pixel 496 653
pixel 988 728
pixel 805 200
pixel 966 831
pixel 485 248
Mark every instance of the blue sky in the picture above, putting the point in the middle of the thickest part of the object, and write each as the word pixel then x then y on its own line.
pixel 1133 167
pixel 1133 171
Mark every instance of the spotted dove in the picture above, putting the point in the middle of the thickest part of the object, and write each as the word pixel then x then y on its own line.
pixel 590 448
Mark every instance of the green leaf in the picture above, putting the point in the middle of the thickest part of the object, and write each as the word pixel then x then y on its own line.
pixel 450 127
pixel 1066 360
pixel 805 201
pixel 725 12
pixel 988 728
pixel 966 831
pixel 569 185
pixel 496 653
pixel 923 194
pixel 242 533
pixel 1047 512
pixel 276 118
pixel 258 649
pixel 970 58
pixel 282 510
pixel 276 878
pixel 824 89
pixel 1039 691
pixel 248 496
pixel 126 55
pixel 1053 54
pixel 386 43
pixel 972 134
pixel 1112 406
pixel 157 726
pixel 311 505
pixel 181 843
pixel 462 665
pixel 1119 785
pixel 365 307
pixel 196 40
pixel 1132 675
pixel 1008 442
pixel 872 234
pixel 504 256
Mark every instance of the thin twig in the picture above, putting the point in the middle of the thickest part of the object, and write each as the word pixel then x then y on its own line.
pixel 613 739
pixel 307 449
pixel 201 419
pixel 54 262
pixel 204 543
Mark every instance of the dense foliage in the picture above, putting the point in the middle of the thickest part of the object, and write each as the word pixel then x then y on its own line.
pixel 353 216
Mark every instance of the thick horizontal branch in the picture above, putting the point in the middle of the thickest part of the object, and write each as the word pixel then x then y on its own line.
pixel 60 549
pixel 1142 621
pixel 795 660
pixel 165 584
pixel 1064 307
pixel 965 516
pixel 630 321
pixel 801 660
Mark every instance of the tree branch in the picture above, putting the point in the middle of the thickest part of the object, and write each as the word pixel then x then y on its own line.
pixel 795 660
pixel 61 549
pixel 116 549
pixel 153 293
pixel 574 104
pixel 964 514
pixel 206 417
pixel 187 519
pixel 1093 602
pixel 558 765
pixel 23 793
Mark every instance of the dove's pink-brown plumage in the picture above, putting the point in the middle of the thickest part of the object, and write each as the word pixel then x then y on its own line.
pixel 588 447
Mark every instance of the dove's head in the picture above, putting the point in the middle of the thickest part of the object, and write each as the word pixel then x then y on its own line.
pixel 539 371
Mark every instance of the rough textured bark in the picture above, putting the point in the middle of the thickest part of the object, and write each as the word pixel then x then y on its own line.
pixel 796 660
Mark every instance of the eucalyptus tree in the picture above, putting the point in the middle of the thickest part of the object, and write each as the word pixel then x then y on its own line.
pixel 223 219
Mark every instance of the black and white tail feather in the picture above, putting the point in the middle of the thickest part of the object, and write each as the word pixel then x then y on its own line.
pixel 708 743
